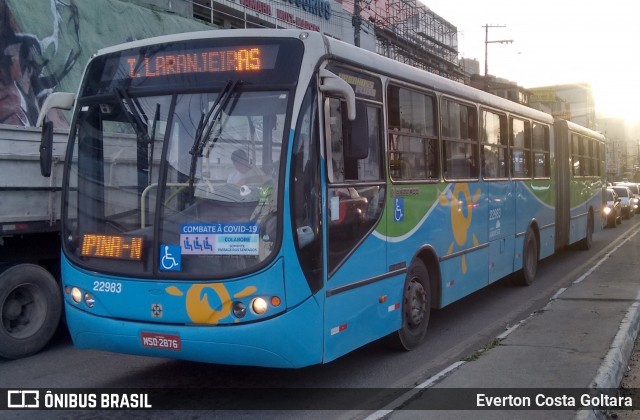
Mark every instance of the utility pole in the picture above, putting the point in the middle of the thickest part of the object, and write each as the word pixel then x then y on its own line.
pixel 356 21
pixel 487 42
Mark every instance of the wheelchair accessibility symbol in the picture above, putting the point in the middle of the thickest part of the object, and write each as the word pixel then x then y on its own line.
pixel 170 257
pixel 398 206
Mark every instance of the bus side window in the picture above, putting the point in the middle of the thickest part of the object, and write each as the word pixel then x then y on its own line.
pixel 541 151
pixel 576 161
pixel 413 144
pixel 495 140
pixel 336 132
pixel 349 168
pixel 459 134
pixel 520 148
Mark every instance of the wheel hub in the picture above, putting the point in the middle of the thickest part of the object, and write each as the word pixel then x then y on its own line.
pixel 417 304
pixel 23 312
pixel 11 310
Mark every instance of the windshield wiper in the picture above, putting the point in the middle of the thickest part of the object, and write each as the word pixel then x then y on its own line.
pixel 133 114
pixel 206 124
pixel 152 139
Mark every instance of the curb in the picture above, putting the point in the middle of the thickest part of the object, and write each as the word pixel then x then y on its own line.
pixel 616 361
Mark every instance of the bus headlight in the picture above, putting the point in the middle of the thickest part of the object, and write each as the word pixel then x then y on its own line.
pixel 259 306
pixel 76 295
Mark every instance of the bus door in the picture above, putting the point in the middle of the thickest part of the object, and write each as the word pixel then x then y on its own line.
pixel 356 307
pixel 501 228
pixel 500 192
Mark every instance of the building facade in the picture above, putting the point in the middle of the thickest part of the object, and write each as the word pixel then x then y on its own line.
pixel 572 102
pixel 404 30
pixel 616 147
pixel 501 87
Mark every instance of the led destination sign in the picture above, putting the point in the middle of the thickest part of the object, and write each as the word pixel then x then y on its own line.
pixel 212 60
pixel 112 246
pixel 195 64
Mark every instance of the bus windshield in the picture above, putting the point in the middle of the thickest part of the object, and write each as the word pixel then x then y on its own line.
pixel 175 182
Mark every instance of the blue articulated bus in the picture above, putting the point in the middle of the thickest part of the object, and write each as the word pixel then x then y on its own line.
pixel 280 198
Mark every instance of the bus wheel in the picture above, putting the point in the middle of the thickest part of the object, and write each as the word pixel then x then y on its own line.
pixel 529 260
pixel 585 243
pixel 30 309
pixel 416 308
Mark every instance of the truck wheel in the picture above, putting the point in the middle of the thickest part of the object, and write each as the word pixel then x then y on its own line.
pixel 416 308
pixel 30 308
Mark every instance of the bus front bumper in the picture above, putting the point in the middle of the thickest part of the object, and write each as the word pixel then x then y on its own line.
pixel 290 340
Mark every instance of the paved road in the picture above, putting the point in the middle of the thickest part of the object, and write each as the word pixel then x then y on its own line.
pixel 455 333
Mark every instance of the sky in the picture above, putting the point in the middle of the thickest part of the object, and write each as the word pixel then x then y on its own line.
pixel 556 42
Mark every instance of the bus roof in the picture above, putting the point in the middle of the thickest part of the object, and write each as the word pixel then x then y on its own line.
pixel 408 73
pixel 360 57
pixel 214 33
pixel 583 130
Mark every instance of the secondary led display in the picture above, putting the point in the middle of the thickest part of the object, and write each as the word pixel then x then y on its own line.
pixel 112 246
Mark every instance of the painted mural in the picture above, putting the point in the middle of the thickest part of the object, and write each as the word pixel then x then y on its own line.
pixel 45 45
pixel 24 84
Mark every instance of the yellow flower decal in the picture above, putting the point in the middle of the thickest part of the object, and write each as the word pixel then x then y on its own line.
pixel 461 222
pixel 200 310
pixel 198 307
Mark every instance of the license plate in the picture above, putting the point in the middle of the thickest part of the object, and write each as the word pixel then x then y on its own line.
pixel 161 341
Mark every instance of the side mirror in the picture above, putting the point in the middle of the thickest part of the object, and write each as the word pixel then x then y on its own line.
pixel 46 149
pixel 60 100
pixel 332 83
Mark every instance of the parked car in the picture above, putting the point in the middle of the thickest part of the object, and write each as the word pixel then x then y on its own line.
pixel 626 200
pixel 635 189
pixel 612 211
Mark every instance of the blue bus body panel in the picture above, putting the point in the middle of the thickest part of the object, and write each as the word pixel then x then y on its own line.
pixel 501 225
pixel 358 316
pixel 579 214
pixel 455 227
pixel 199 314
pixel 362 303
pixel 533 200
pixel 182 302
pixel 477 232
pixel 289 341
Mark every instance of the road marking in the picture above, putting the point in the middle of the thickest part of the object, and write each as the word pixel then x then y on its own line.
pixel 410 394
pixel 398 402
pixel 607 255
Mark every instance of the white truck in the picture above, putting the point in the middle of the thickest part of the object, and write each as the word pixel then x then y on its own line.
pixel 30 294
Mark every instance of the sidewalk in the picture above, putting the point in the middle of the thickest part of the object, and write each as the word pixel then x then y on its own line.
pixel 581 340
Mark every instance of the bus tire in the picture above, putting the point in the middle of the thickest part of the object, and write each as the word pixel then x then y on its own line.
pixel 30 309
pixel 586 242
pixel 416 308
pixel 529 260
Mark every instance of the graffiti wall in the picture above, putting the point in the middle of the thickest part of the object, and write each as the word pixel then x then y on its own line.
pixel 45 45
